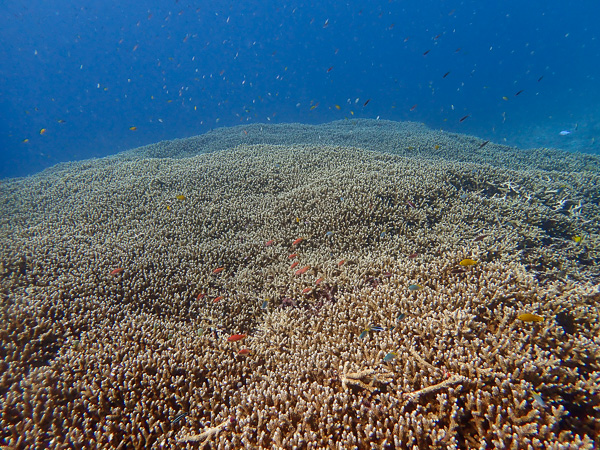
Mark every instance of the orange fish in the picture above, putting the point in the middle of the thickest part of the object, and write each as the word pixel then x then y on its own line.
pixel 201 295
pixel 236 337
pixel 133 128
pixel 43 131
pixel 297 241
pixel 341 263
pixel 220 297
pixel 293 255
pixel 318 281
pixel 269 243
pixel 303 270
pixel 218 270
pixel 116 271
pixel 244 352
pixel 306 290
pixel 294 264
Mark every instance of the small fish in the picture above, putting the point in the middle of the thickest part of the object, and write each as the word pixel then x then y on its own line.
pixel 413 255
pixel 178 417
pixel 540 78
pixel 218 270
pixel 483 144
pixel 329 234
pixel 562 133
pixel 341 263
pixel 390 356
pixel 363 334
pixel 458 270
pixel 293 255
pixel 338 107
pixel 314 106
pixel 527 317
pixel 25 141
pixel 382 234
pixel 220 297
pixel 264 304
pixel 400 317
pixel 200 296
pixel 236 337
pixel 269 243
pixel 303 270
pixel 577 239
pixel 116 271
pixel 446 74
pixel 244 352
pixel 467 262
pixel 180 197
pixel 413 107
pixel 319 281
pixel 133 128
pixel 297 241
pixel 462 119
pixel 414 287
pixel 425 52
pixel 376 328
pixel 306 290
pixel 538 399
pixel 505 98
pixel 43 131
pixel 519 92
pixel 61 121
pixel 294 264
pixel 330 69
pixel 409 203
pixel 366 103
pixel 480 237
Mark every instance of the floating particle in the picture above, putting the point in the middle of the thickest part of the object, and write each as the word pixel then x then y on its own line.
pixel 390 356
pixel 236 337
pixel 468 262
pixel 527 317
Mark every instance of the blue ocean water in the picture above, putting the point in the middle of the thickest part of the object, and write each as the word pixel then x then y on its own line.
pixel 87 80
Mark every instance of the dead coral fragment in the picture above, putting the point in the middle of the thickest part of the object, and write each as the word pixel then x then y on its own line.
pixel 453 379
pixel 207 434
pixel 368 379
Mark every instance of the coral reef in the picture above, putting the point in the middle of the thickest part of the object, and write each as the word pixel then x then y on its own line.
pixel 97 357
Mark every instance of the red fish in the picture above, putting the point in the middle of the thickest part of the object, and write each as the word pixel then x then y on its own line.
pixel 306 290
pixel 303 270
pixel 269 243
pixel 218 270
pixel 413 255
pixel 220 297
pixel 117 271
pixel 341 263
pixel 244 352
pixel 297 241
pixel 236 337
pixel 319 281
pixel 201 295
pixel 293 255
pixel 411 203
pixel 294 264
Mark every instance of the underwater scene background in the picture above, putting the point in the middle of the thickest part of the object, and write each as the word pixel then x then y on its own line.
pixel 87 80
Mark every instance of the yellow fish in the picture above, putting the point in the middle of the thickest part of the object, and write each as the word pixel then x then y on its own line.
pixel 133 128
pixel 577 239
pixel 43 131
pixel 180 197
pixel 527 317
pixel 338 107
pixel 468 262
